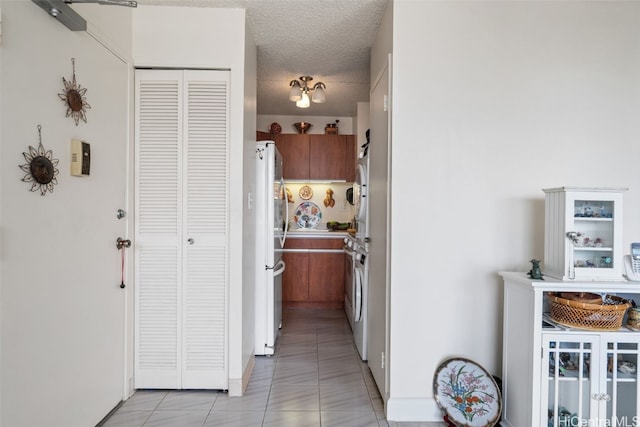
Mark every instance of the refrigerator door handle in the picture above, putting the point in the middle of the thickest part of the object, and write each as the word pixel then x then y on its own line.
pixel 279 268
pixel 285 226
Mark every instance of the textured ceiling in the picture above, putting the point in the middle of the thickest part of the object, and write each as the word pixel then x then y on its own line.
pixel 326 39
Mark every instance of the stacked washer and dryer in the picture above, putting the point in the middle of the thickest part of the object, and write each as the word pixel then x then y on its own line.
pixel 357 251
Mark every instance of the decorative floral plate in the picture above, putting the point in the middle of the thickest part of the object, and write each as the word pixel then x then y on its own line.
pixel 466 393
pixel 307 215
pixel 305 192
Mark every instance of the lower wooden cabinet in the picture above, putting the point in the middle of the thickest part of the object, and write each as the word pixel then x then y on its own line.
pixel 314 276
pixel 295 279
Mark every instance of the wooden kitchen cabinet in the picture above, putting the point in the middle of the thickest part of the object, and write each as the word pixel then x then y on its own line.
pixel 264 136
pixel 295 283
pixel 317 157
pixel 314 276
pixel 294 149
pixel 351 157
pixel 327 157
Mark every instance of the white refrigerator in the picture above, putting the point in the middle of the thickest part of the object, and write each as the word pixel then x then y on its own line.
pixel 271 231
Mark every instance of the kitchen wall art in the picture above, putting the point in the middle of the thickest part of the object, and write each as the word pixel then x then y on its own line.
pixel 74 97
pixel 41 168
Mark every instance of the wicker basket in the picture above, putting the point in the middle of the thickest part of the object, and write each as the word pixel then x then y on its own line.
pixel 595 317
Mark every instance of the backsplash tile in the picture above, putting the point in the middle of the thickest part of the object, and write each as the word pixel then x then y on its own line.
pixel 342 210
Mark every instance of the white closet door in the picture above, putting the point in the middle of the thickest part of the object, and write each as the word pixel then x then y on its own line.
pixel 205 229
pixel 181 228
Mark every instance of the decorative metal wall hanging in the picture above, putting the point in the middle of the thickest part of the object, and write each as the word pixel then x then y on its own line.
pixel 41 168
pixel 73 97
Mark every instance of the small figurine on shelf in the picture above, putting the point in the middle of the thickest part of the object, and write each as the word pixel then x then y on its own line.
pixel 535 272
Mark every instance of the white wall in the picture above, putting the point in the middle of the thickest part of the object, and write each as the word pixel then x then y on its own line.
pixel 345 126
pixel 62 340
pixel 248 217
pixel 185 37
pixel 512 97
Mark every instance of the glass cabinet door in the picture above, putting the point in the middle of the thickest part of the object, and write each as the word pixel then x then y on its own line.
pixel 594 241
pixel 622 392
pixel 569 379
pixel 583 233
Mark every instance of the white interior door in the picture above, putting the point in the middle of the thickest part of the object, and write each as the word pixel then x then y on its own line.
pixel 181 228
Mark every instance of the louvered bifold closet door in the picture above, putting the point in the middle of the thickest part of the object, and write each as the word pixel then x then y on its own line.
pixel 205 227
pixel 181 228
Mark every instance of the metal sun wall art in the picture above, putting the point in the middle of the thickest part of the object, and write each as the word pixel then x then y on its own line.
pixel 73 97
pixel 41 168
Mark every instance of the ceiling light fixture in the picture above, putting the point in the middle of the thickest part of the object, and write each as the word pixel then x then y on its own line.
pixel 299 92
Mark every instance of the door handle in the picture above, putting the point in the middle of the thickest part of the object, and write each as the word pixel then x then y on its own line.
pixel 190 241
pixel 123 243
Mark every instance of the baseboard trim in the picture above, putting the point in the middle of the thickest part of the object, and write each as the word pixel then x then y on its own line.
pixel 413 410
pixel 237 386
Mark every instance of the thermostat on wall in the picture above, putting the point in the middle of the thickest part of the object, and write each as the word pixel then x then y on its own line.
pixel 80 157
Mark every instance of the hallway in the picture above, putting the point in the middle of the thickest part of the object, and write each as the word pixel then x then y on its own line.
pixel 314 379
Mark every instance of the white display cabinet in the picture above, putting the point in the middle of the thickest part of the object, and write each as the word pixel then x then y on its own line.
pixel 583 233
pixel 557 376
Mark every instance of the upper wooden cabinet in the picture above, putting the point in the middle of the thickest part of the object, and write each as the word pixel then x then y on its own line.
pixel 295 155
pixel 263 136
pixel 327 157
pixel 317 157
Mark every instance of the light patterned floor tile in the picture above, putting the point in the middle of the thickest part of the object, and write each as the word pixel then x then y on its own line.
pixel 128 419
pixel 292 419
pixel 294 398
pixel 234 419
pixel 177 419
pixel 188 400
pixel 348 419
pixel 345 398
pixel 315 378
pixel 144 400
pixel 254 399
pixel 296 374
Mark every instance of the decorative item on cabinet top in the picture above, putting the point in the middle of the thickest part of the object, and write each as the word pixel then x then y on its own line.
pixel 302 127
pixel 332 128
pixel 275 128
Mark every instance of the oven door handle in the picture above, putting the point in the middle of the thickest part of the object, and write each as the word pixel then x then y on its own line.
pixel 357 299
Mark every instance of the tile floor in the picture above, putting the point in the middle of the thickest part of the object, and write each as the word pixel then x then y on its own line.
pixel 316 378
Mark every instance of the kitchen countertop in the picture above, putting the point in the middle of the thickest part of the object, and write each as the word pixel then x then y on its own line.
pixel 313 233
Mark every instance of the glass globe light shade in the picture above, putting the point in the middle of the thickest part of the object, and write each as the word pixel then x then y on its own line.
pixel 318 95
pixel 295 94
pixel 304 101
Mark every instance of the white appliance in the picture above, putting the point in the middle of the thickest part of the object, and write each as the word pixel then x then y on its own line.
pixel 350 247
pixel 360 196
pixel 271 218
pixel 360 295
pixel 356 305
